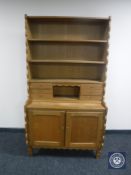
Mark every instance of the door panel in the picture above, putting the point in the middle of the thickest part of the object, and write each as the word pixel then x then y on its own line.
pixel 83 129
pixel 47 128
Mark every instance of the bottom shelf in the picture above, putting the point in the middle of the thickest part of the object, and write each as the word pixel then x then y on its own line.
pixel 66 71
pixel 65 81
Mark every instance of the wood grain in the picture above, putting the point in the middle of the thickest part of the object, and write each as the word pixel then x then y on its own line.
pixel 66 60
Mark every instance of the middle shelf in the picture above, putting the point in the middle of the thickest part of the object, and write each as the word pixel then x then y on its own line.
pixel 66 61
pixel 67 51
pixel 68 40
pixel 46 70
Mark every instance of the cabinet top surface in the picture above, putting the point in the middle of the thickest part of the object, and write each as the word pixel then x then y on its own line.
pixel 66 105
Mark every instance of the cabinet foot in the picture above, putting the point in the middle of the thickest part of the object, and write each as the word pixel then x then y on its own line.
pixel 30 151
pixel 98 152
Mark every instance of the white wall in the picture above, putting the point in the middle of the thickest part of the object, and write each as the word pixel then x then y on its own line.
pixel 13 88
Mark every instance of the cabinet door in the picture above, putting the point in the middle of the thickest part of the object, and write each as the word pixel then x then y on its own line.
pixel 83 129
pixel 46 128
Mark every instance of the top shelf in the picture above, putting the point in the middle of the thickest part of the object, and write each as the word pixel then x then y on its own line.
pixel 66 18
pixel 66 28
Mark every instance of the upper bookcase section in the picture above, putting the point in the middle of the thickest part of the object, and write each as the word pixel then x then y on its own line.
pixel 67 28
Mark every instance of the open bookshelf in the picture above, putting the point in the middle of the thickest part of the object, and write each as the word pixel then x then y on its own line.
pixel 66 71
pixel 66 66
pixel 66 50
pixel 51 28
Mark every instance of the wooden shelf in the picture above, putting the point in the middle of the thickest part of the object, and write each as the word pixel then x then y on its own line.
pixel 68 41
pixel 67 61
pixel 68 18
pixel 66 71
pixel 64 81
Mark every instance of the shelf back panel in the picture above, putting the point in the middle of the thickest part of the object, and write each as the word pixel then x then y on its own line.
pixel 67 51
pixel 66 71
pixel 67 29
pixel 66 91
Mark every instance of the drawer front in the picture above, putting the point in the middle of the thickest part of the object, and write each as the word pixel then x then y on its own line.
pixel 40 91
pixel 91 89
pixel 40 96
pixel 91 98
pixel 40 86
pixel 92 92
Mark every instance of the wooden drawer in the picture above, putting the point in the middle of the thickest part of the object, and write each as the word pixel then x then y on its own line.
pixel 41 91
pixel 40 85
pixel 91 97
pixel 91 89
pixel 39 96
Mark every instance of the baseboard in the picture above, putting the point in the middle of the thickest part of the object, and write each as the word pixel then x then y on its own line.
pixel 17 130
pixel 13 130
pixel 118 131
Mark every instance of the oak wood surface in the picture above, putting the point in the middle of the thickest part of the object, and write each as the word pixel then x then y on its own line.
pixel 67 81
pixel 66 72
pixel 67 18
pixel 65 103
pixel 64 28
pixel 82 129
pixel 67 61
pixel 46 128
pixel 66 51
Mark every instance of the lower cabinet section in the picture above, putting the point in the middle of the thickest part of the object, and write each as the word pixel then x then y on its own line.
pixel 63 129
